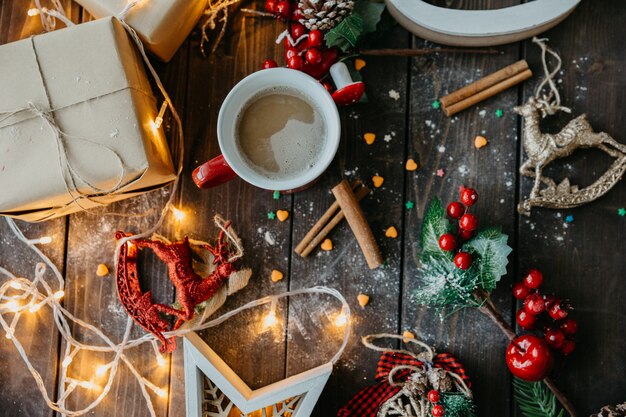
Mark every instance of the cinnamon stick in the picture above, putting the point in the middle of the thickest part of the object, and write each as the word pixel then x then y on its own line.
pixel 321 235
pixel 319 225
pixel 489 92
pixel 354 215
pixel 487 83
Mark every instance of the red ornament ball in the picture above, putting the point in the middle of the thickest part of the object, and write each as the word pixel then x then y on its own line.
pixel 295 62
pixel 283 9
pixel 290 52
pixel 269 63
pixel 433 396
pixel 270 6
pixel 568 347
pixel 455 210
pixel 533 279
pixel 534 304
pixel 558 310
pixel 525 319
pixel 520 291
pixel 555 338
pixel 463 260
pixel 465 234
pixel 529 358
pixel 469 196
pixel 297 30
pixel 447 242
pixel 437 410
pixel 468 222
pixel 569 326
pixel 316 37
pixel 313 56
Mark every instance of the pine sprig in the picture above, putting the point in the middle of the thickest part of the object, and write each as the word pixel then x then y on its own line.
pixel 535 399
pixel 458 404
pixel 434 225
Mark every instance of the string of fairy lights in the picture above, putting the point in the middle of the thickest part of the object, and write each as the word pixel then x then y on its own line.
pixel 22 296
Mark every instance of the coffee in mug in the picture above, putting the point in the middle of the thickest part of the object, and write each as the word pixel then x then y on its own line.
pixel 280 133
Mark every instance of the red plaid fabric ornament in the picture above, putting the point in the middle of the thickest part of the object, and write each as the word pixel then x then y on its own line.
pixel 367 402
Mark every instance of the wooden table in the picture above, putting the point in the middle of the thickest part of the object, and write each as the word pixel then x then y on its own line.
pixel 582 260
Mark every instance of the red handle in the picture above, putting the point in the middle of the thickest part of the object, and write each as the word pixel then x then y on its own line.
pixel 213 173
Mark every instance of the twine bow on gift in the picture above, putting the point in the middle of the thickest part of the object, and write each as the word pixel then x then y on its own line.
pixel 400 372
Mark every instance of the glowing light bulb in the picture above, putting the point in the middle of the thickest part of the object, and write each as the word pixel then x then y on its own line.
pixel 161 361
pixel 178 214
pixel 66 362
pixel 160 392
pixel 45 240
pixel 270 319
pixel 341 319
pixel 33 12
pixel 15 285
pixel 59 294
pixel 34 308
pixel 88 385
pixel 102 370
pixel 13 306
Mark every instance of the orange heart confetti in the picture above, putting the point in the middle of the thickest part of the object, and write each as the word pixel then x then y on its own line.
pixel 102 270
pixel 359 64
pixel 276 275
pixel 327 245
pixel 369 138
pixel 377 180
pixel 391 232
pixel 411 165
pixel 480 141
pixel 363 299
pixel 282 215
pixel 407 335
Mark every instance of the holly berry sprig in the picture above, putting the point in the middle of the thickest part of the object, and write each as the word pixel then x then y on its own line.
pixel 437 409
pixel 468 223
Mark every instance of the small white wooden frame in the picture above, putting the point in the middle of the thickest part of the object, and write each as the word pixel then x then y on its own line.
pixel 201 360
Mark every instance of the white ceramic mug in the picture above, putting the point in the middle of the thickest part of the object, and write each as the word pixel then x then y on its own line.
pixel 231 163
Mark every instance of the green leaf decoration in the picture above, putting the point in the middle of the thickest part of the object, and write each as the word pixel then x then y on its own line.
pixel 370 13
pixel 491 251
pixel 457 404
pixel 345 34
pixel 434 225
pixel 535 399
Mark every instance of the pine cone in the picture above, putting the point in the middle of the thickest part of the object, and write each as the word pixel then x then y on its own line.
pixel 612 411
pixel 324 15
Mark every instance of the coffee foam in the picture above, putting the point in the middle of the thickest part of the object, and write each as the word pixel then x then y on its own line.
pixel 280 133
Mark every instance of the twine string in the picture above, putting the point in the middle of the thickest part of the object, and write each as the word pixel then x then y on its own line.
pixel 551 103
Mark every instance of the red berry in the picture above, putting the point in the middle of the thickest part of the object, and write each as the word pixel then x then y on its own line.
pixel 297 30
pixel 437 410
pixel 447 242
pixel 468 222
pixel 290 52
pixel 529 358
pixel 269 63
pixel 525 319
pixel 286 43
pixel 465 234
pixel 316 37
pixel 313 56
pixel 555 338
pixel 455 210
pixel 569 326
pixel 463 260
pixel 534 279
pixel 295 62
pixel 283 9
pixel 558 310
pixel 270 6
pixel 520 291
pixel 568 347
pixel 549 299
pixel 433 396
pixel 534 304
pixel 296 16
pixel 469 196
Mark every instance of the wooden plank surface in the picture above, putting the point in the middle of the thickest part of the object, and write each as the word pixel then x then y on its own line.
pixel 582 261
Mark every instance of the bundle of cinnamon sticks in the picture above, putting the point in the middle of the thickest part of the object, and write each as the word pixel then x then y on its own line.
pixel 485 87
pixel 346 206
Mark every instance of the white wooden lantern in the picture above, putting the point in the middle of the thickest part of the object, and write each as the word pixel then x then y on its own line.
pixel 295 396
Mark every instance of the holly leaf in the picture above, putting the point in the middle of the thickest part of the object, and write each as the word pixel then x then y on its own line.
pixel 370 13
pixel 490 252
pixel 434 225
pixel 535 399
pixel 346 34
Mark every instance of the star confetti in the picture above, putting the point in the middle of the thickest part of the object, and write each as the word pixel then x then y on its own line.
pixel 436 104
pixel 499 113
pixel 441 172
pixel 621 211
pixel 409 205
pixel 271 215
pixel 276 195
pixel 569 218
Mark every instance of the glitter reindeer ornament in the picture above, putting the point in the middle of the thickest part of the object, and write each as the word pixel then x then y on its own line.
pixel 543 148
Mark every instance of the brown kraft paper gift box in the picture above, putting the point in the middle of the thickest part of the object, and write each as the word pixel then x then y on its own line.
pixel 76 123
pixel 162 25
